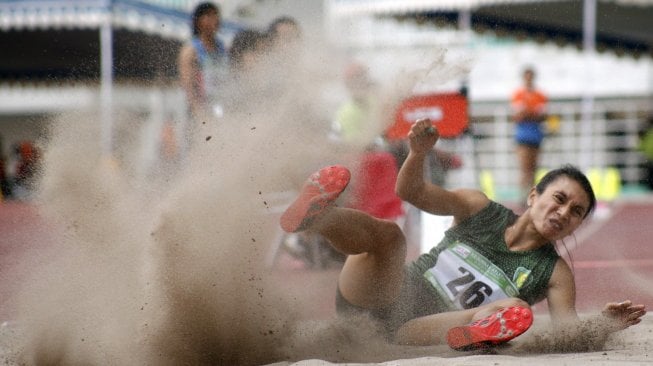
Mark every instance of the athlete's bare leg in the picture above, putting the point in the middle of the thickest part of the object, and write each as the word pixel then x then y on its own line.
pixel 432 329
pixel 376 249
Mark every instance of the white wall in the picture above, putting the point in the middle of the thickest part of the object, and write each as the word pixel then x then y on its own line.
pixel 561 72
pixel 491 65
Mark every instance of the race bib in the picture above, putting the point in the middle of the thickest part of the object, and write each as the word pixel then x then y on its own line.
pixel 467 279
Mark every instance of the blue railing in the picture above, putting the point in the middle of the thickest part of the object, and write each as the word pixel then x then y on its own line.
pixel 18 14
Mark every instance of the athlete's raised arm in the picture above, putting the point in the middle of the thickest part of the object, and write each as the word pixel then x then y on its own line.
pixel 413 188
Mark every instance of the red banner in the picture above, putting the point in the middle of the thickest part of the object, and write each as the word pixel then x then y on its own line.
pixel 448 112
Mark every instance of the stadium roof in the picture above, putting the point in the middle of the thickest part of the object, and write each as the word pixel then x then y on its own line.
pixel 622 25
pixel 150 17
pixel 84 14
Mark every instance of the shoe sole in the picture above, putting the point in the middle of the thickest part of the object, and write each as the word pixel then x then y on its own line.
pixel 319 192
pixel 496 329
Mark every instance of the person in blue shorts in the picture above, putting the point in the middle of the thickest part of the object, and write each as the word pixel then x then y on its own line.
pixel 529 111
pixel 476 287
pixel 204 64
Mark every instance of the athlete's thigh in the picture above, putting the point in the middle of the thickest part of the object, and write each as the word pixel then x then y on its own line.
pixel 371 281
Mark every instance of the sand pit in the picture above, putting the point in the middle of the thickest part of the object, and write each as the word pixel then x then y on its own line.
pixel 633 346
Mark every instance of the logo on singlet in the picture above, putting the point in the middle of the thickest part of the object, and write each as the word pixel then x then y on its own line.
pixel 520 276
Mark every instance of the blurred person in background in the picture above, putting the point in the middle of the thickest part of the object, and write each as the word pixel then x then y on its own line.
pixel 353 121
pixel 286 72
pixel 27 157
pixel 247 50
pixel 248 78
pixel 285 33
pixel 284 55
pixel 169 145
pixel 646 147
pixel 203 64
pixel 5 189
pixel 376 169
pixel 529 111
pixel 357 129
pixel 439 161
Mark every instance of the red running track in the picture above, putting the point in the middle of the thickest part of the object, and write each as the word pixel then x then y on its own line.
pixel 614 258
pixel 22 231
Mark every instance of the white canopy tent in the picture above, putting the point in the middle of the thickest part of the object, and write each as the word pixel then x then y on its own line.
pixel 345 7
pixel 352 7
pixel 164 19
pixel 102 15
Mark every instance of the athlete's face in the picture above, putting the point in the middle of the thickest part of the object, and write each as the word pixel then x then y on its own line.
pixel 559 209
pixel 209 22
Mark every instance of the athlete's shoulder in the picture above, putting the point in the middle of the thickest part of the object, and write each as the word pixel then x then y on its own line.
pixel 473 200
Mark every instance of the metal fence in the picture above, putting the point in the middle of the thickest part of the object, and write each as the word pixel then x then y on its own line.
pixel 607 141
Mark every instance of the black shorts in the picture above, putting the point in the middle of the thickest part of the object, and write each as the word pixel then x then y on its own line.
pixel 416 299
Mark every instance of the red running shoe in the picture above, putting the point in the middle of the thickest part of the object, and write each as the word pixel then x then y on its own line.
pixel 319 192
pixel 497 328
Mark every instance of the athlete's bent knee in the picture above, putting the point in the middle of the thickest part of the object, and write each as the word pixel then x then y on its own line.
pixel 392 238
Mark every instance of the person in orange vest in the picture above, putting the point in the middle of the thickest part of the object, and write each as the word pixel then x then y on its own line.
pixel 529 111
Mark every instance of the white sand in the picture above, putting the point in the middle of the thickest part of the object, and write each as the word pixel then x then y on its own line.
pixel 633 346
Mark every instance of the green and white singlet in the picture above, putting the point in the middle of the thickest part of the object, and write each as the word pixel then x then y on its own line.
pixel 473 266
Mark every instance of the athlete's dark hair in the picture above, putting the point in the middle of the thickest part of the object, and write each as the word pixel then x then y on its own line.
pixel 200 10
pixel 284 19
pixel 245 41
pixel 573 173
